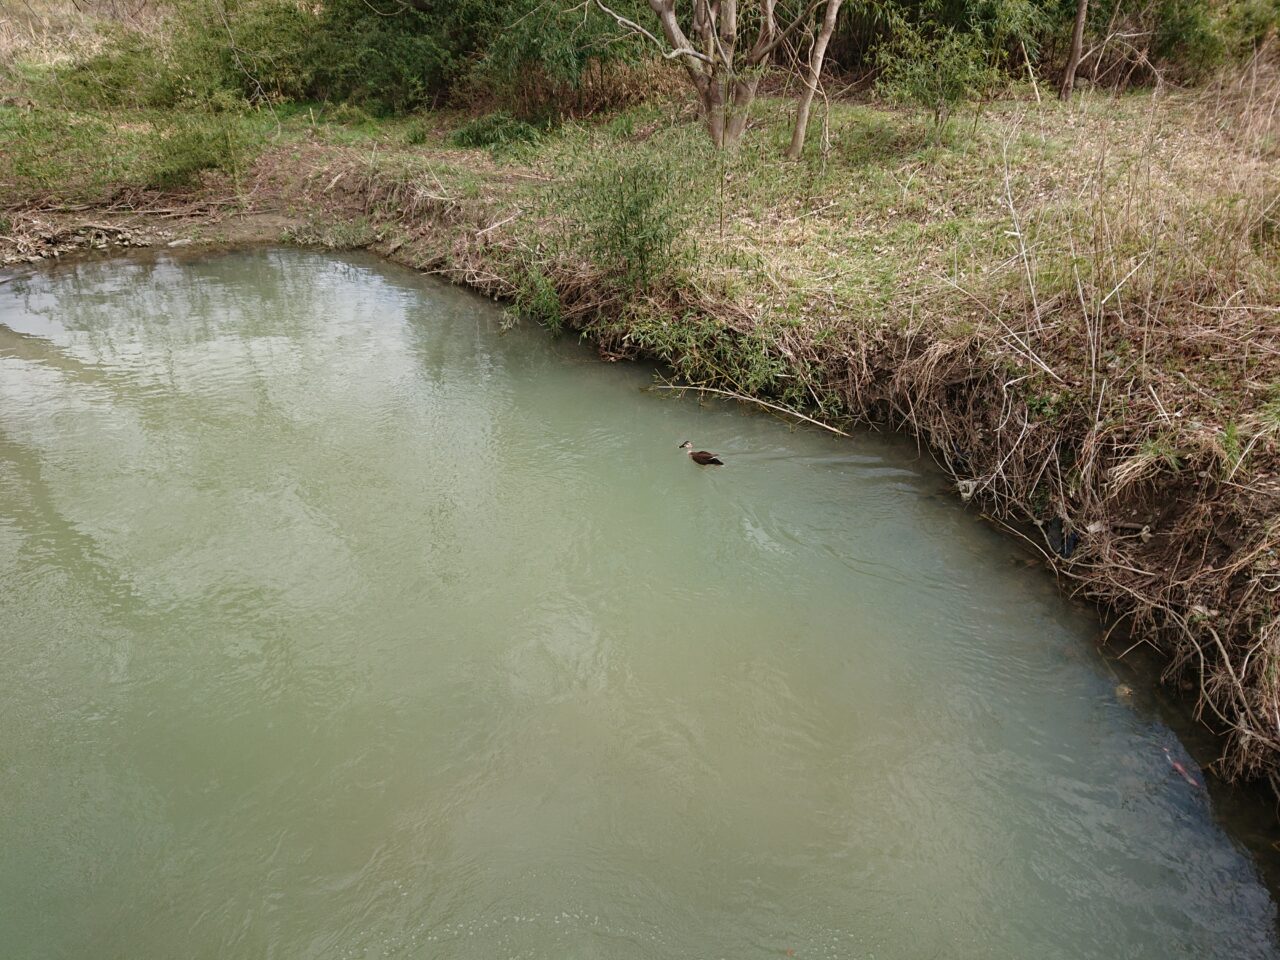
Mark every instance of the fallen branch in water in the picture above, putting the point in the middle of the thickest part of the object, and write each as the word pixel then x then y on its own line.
pixel 756 400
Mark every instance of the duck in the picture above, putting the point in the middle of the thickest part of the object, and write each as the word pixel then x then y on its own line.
pixel 701 457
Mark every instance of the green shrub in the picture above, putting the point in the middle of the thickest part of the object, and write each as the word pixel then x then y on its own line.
pixel 399 60
pixel 73 157
pixel 416 133
pixel 550 61
pixel 1003 28
pixel 257 50
pixel 1188 36
pixel 49 152
pixel 348 114
pixel 1184 38
pixel 1246 24
pixel 386 57
pixel 1191 38
pixel 275 39
pixel 537 298
pixel 191 143
pixel 546 59
pixel 261 49
pixel 1008 27
pixel 938 72
pixel 495 132
pixel 630 219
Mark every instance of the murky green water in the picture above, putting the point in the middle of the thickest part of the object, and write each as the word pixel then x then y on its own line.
pixel 337 623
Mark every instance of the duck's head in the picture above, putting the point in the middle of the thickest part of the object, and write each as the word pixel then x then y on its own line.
pixel 687 445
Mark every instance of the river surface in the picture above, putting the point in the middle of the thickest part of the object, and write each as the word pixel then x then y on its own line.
pixel 337 622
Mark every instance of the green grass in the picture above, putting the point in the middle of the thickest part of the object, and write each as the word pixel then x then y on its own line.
pixel 90 156
pixel 72 156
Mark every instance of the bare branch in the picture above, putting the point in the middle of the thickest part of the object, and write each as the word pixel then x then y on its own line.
pixel 749 399
pixel 765 47
pixel 678 51
pixel 814 73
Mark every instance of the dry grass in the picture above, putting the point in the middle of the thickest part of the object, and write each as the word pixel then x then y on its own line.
pixel 39 34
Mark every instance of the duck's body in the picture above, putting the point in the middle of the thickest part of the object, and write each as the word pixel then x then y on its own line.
pixel 701 457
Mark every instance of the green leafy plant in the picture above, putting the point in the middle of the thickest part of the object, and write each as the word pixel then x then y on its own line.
pixel 550 60
pixel 938 71
pixel 496 132
pixel 416 133
pixel 1187 33
pixel 1246 25
pixel 537 298
pixel 394 58
pixel 631 219
pixel 191 143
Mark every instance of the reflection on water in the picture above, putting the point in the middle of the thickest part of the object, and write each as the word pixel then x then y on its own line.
pixel 338 623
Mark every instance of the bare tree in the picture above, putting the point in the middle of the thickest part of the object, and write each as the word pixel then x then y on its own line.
pixel 724 71
pixel 816 55
pixel 1073 57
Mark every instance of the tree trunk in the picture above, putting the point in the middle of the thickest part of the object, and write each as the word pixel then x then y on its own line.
pixel 1073 57
pixel 744 94
pixel 713 110
pixel 816 56
pixel 726 81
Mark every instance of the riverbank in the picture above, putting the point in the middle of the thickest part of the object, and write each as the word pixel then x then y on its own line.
pixel 1074 307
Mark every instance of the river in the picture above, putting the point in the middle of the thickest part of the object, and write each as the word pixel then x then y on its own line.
pixel 340 622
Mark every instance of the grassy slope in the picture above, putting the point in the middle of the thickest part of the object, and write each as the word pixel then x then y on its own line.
pixel 1076 305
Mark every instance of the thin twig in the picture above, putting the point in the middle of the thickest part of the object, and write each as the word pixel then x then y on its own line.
pixel 748 399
